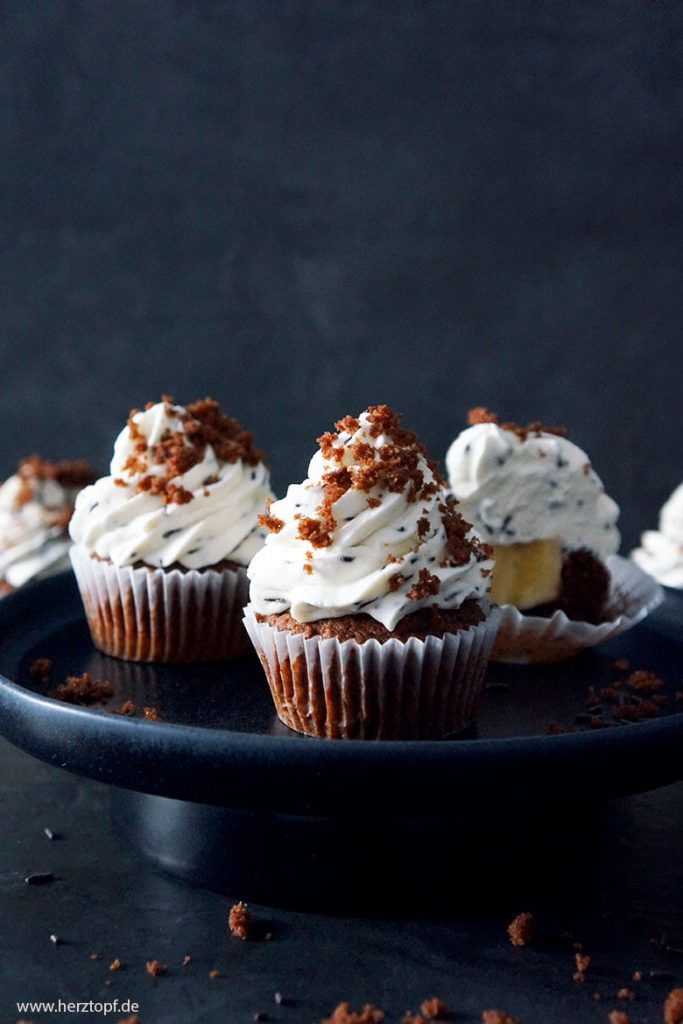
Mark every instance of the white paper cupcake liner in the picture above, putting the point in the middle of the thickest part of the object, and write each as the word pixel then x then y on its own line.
pixel 159 615
pixel 529 638
pixel 416 689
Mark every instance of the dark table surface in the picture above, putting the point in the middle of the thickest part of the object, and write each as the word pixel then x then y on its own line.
pixel 623 904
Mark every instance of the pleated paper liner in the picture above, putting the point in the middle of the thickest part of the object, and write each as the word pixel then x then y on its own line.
pixel 532 638
pixel 414 689
pixel 158 615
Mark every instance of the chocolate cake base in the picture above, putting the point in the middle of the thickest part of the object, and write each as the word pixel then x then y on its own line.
pixel 325 681
pixel 162 615
pixel 420 624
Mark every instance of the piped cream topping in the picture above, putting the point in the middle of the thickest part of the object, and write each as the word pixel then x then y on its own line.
pixel 186 486
pixel 35 506
pixel 371 530
pixel 523 484
pixel 661 551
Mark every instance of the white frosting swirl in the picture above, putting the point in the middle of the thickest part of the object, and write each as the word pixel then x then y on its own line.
pixel 661 551
pixel 376 535
pixel 542 487
pixel 33 538
pixel 115 519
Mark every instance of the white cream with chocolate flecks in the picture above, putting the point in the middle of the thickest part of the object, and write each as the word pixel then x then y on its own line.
pixel 542 487
pixel 377 535
pixel 33 539
pixel 116 520
pixel 661 551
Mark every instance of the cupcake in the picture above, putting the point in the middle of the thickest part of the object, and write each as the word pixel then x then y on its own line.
pixel 534 496
pixel 162 544
pixel 661 551
pixel 36 504
pixel 367 601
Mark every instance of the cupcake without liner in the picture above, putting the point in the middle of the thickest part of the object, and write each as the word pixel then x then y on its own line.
pixel 36 504
pixel 367 601
pixel 526 638
pixel 661 551
pixel 162 544
pixel 535 497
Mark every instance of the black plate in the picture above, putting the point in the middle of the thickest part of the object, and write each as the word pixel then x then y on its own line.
pixel 220 742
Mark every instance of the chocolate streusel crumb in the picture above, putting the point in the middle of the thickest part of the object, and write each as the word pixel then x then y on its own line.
pixel 127 708
pixel 151 715
pixel 481 415
pixel 269 522
pixel 115 965
pixel 203 424
pixel 644 681
pixel 497 1017
pixel 673 1007
pixel 155 968
pixel 343 1014
pixel 239 920
pixel 626 993
pixel 434 1009
pixel 40 670
pixel 426 586
pixel 82 690
pixel 583 962
pixel 618 1017
pixel 69 474
pixel 521 929
pixel 422 623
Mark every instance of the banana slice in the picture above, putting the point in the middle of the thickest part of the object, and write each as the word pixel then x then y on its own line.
pixel 527 574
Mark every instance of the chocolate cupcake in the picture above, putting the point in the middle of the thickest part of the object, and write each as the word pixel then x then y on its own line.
pixel 367 602
pixel 161 544
pixel 36 504
pixel 535 497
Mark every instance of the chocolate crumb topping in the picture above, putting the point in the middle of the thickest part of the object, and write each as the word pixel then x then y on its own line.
pixel 155 968
pixel 673 1007
pixel 343 1014
pixel 82 690
pixel 481 415
pixel 395 467
pixel 427 584
pixel 203 424
pixel 521 929
pixel 269 522
pixel 460 546
pixel 239 920
pixel 41 670
pixel 396 581
pixel 71 475
pixel 644 681
pixel 434 1009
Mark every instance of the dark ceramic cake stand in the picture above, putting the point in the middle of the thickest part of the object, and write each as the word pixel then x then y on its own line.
pixel 221 794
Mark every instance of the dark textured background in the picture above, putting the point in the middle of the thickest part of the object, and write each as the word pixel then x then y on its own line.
pixel 305 207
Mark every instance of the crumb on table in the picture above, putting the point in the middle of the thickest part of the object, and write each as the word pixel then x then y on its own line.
pixel 240 920
pixel 521 929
